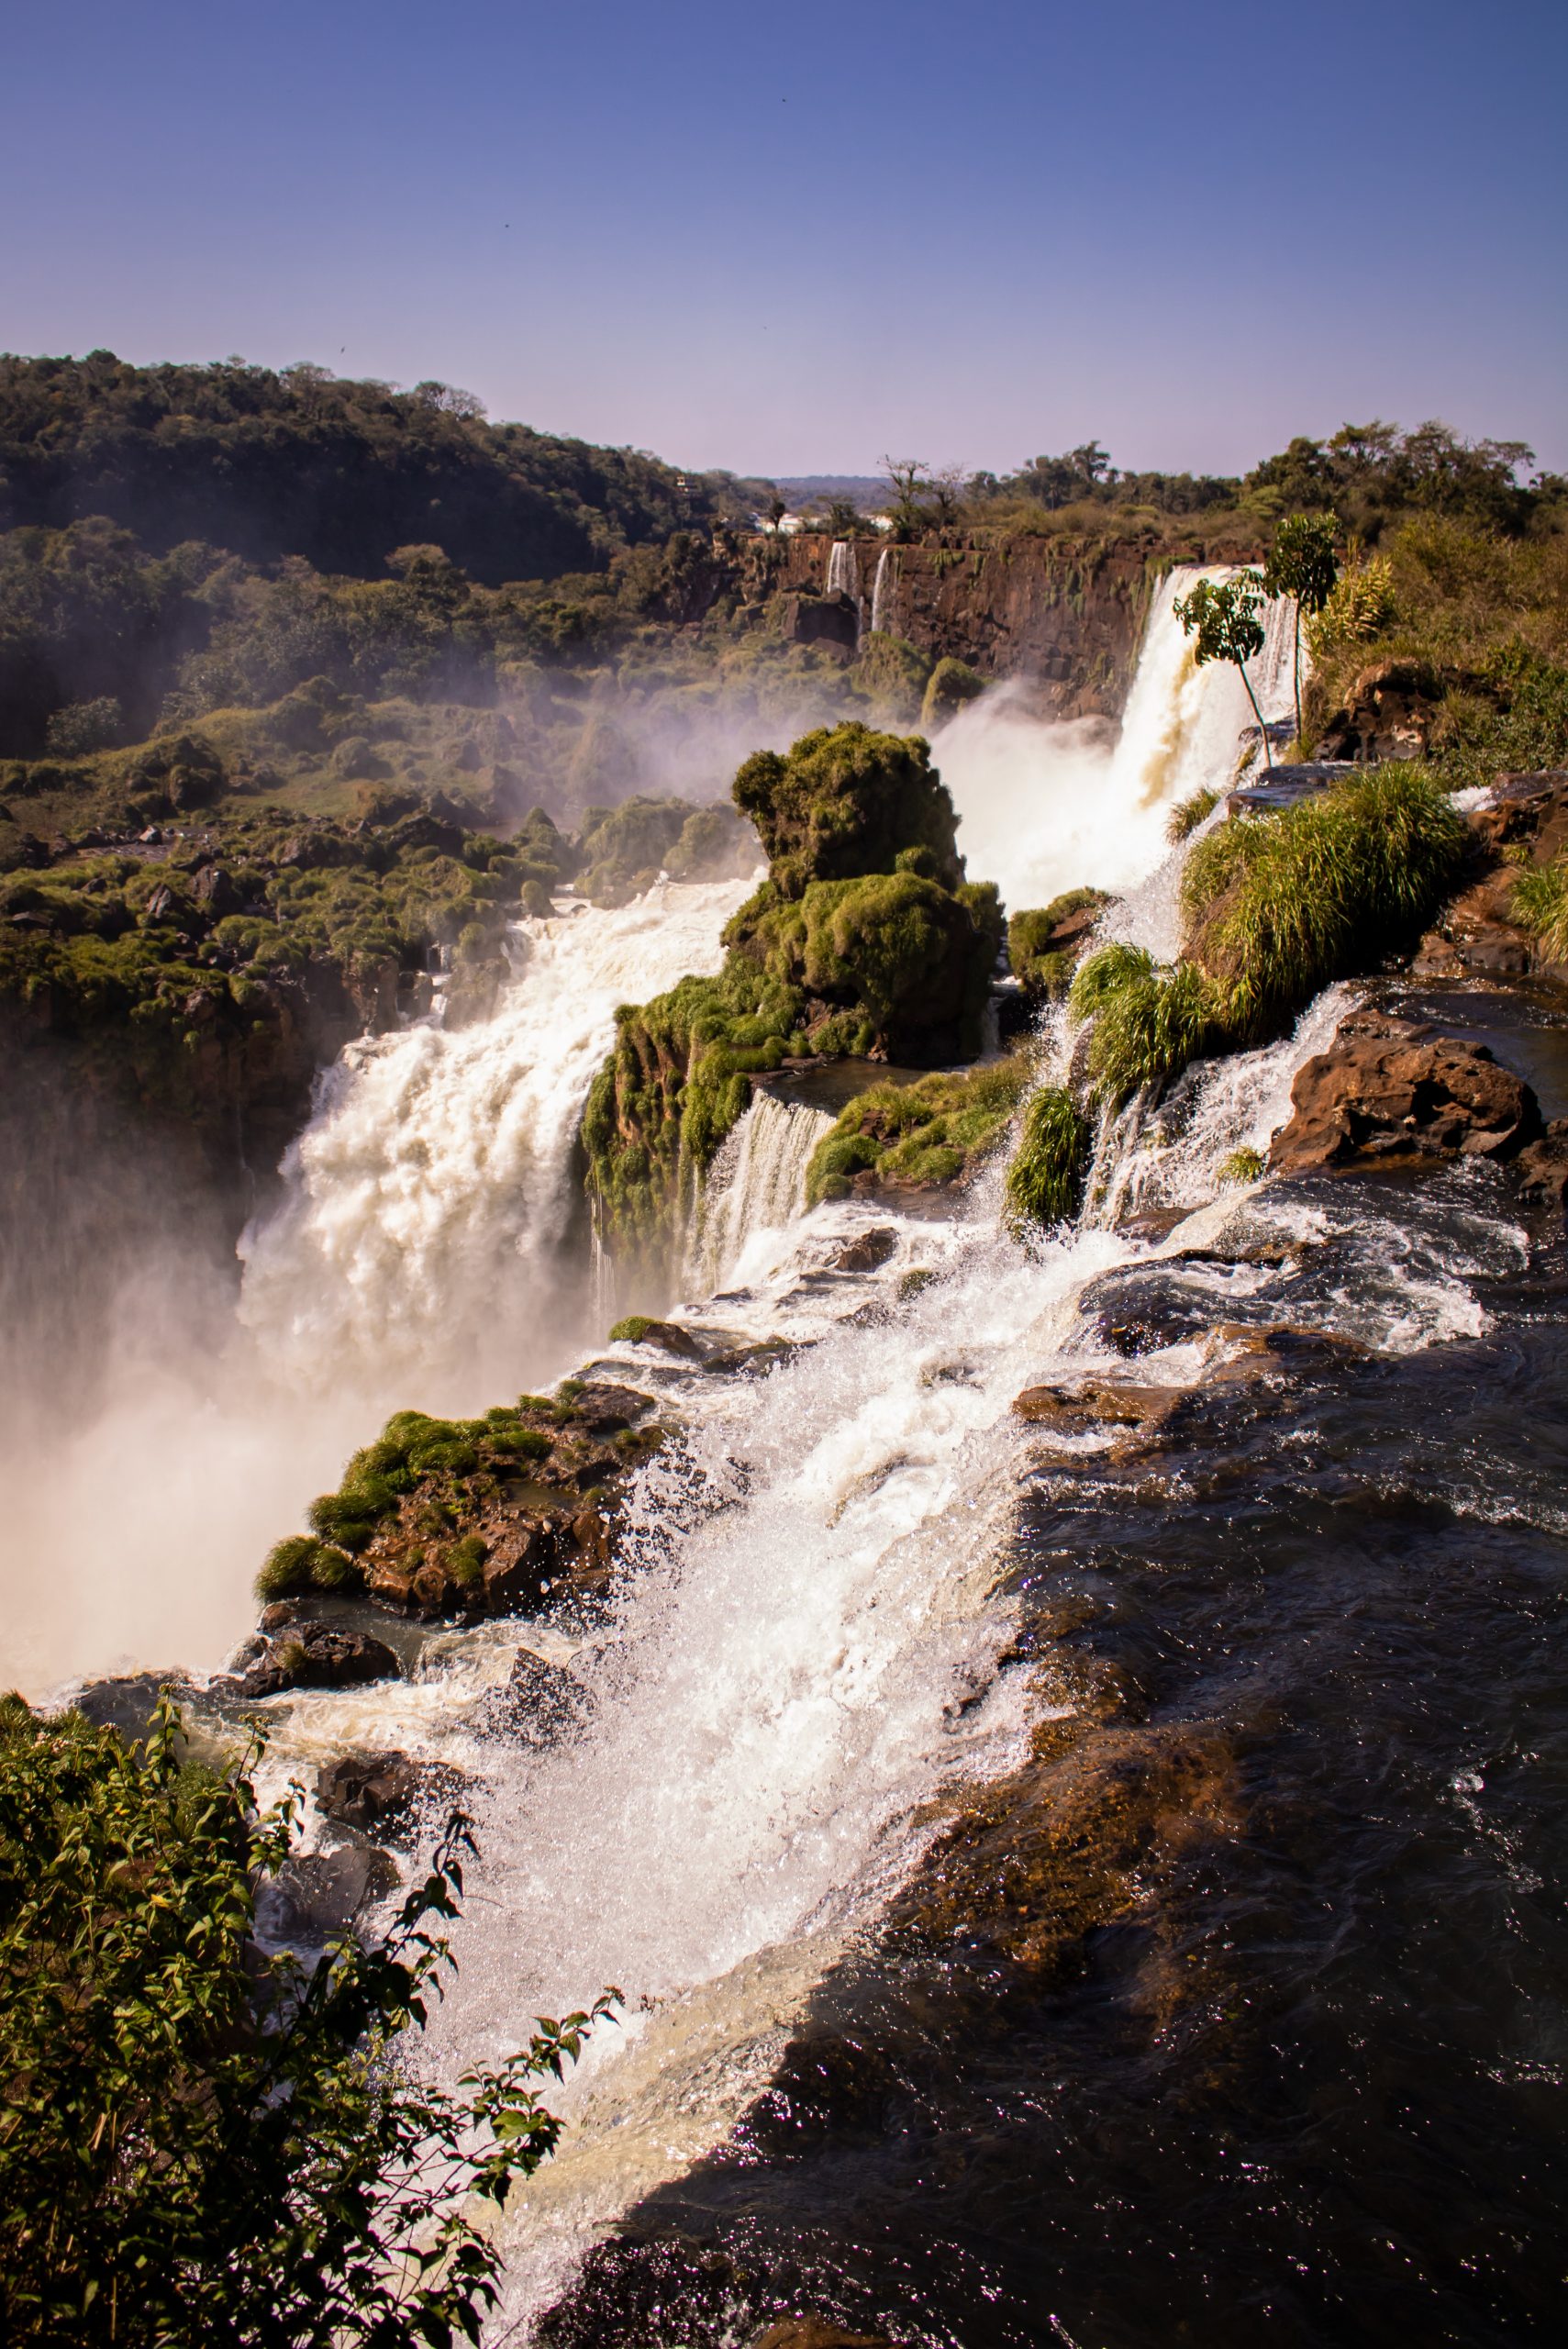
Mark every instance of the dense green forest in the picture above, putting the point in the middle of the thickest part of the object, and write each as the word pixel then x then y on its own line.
pixel 338 473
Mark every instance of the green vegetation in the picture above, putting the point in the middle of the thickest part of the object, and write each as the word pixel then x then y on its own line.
pixel 1188 814
pixel 303 462
pixel 1047 1171
pixel 950 684
pixel 933 1131
pixel 1470 630
pixel 1540 902
pixel 1304 565
pixel 1281 905
pixel 1148 1022
pixel 1244 1165
pixel 633 1329
pixel 1044 942
pixel 864 937
pixel 1221 615
pixel 423 1478
pixel 203 2141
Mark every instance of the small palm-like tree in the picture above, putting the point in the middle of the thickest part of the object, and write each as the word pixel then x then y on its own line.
pixel 1303 566
pixel 1222 615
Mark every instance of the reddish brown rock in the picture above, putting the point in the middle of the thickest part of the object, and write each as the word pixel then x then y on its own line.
pixel 1392 1091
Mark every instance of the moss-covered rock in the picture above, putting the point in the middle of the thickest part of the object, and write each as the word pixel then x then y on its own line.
pixel 950 684
pixel 1046 942
pixel 846 801
pixel 925 1136
pixel 493 1515
pixel 863 938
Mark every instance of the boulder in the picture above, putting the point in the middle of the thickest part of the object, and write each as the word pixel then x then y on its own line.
pixel 316 1896
pixel 313 1655
pixel 380 1793
pixel 867 1251
pixel 127 1705
pixel 1392 1091
pixel 606 1409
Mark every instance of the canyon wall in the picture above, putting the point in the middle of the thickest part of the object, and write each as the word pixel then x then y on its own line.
pixel 1069 622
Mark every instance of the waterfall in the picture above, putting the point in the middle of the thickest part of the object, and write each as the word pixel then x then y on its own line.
pixel 844 575
pixel 757 1184
pixel 1052 805
pixel 420 1245
pixel 883 587
pixel 807 1656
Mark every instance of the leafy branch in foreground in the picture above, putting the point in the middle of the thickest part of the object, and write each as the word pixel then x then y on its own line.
pixel 201 2143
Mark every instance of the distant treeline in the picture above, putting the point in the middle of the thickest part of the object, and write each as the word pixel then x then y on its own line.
pixel 268 464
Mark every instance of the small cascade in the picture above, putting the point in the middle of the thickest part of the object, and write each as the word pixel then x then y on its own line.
pixel 884 589
pixel 756 1185
pixel 844 577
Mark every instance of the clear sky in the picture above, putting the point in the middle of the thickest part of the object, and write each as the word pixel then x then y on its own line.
pixel 787 240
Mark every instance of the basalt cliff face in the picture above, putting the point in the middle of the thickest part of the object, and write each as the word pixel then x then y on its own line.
pixel 1071 623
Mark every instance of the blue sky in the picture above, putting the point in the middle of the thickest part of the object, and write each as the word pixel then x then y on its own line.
pixel 789 240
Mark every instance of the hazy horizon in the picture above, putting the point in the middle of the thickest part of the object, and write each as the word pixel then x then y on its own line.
pixel 1190 238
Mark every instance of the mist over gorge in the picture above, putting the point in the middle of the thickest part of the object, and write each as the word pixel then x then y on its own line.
pixel 844 1217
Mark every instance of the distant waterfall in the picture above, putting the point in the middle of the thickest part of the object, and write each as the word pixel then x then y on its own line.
pixel 756 1183
pixel 883 588
pixel 844 573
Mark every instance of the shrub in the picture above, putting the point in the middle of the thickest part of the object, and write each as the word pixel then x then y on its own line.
pixel 288 1568
pixel 1189 813
pixel 1244 1165
pixel 1148 1022
pixel 930 1131
pixel 1541 902
pixel 1045 1176
pixel 465 1559
pixel 203 2142
pixel 1359 606
pixel 1284 904
pixel 633 1329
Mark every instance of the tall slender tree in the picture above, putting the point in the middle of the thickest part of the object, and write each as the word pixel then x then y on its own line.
pixel 1222 615
pixel 1303 566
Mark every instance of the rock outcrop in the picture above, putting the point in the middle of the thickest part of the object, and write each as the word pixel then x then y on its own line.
pixel 1392 1091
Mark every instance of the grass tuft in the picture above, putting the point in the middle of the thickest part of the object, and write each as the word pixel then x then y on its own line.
pixel 1281 905
pixel 1044 1184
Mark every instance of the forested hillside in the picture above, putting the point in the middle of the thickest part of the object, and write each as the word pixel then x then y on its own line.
pixel 268 464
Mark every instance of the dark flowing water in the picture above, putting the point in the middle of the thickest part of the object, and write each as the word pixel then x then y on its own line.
pixel 1248 2021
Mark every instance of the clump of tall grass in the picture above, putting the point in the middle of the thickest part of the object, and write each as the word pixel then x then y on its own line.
pixel 1044 1183
pixel 1188 814
pixel 1281 905
pixel 1149 1021
pixel 1540 901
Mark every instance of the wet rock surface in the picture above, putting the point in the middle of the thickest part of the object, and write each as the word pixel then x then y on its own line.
pixel 384 1794
pixel 541 1704
pixel 316 1896
pixel 1394 1092
pixel 302 1653
pixel 1212 2020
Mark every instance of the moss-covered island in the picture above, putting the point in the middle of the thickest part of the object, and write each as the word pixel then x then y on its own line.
pixel 864 939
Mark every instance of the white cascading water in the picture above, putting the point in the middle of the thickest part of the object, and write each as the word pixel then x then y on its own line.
pixel 756 1186
pixel 844 573
pixel 1049 807
pixel 421 1233
pixel 883 587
